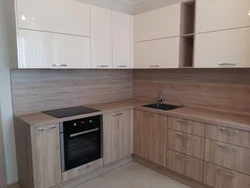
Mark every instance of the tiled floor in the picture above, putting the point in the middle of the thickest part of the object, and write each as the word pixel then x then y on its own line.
pixel 132 175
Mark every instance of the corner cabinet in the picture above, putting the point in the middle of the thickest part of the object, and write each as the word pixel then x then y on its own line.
pixel 117 135
pixel 150 133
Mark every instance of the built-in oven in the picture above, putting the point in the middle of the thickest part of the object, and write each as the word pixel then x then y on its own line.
pixel 80 141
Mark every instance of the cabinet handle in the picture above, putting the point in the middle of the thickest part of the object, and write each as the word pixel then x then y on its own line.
pixel 117 114
pixel 84 168
pixel 102 65
pixel 179 134
pixel 225 173
pixel 120 66
pixel 154 65
pixel 225 130
pixel 227 64
pixel 182 158
pixel 152 115
pixel 223 146
pixel 46 128
pixel 59 65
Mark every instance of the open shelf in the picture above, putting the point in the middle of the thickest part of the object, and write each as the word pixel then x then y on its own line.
pixel 187 17
pixel 186 51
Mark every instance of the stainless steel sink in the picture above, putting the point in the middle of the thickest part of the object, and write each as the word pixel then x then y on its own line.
pixel 165 107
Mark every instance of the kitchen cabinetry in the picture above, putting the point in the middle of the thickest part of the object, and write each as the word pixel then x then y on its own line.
pixel 46 160
pixel 162 53
pixel 217 177
pixel 101 37
pixel 122 32
pixel 212 15
pixel 228 48
pixel 50 50
pixel 150 131
pixel 157 24
pixel 117 135
pixel 61 16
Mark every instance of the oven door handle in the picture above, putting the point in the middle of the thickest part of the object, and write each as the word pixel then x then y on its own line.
pixel 84 132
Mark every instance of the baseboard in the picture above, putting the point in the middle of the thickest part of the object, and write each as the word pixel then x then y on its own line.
pixel 13 185
pixel 173 175
pixel 95 173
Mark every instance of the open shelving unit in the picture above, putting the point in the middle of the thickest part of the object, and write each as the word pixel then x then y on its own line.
pixel 187 33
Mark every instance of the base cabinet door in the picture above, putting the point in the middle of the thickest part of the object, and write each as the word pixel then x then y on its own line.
pixel 117 136
pixel 217 177
pixel 45 143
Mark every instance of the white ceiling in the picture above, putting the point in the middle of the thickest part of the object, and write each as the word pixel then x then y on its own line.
pixel 133 2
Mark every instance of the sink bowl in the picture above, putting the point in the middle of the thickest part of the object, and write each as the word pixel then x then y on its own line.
pixel 165 107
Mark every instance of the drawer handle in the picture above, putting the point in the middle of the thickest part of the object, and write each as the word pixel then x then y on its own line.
pixel 227 64
pixel 84 168
pixel 182 158
pixel 46 128
pixel 59 65
pixel 154 65
pixel 179 134
pixel 120 66
pixel 225 130
pixel 225 173
pixel 117 114
pixel 223 146
pixel 152 115
pixel 102 65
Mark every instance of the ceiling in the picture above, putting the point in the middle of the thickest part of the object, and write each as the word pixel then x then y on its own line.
pixel 132 1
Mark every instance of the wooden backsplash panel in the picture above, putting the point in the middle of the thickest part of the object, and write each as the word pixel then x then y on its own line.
pixel 222 89
pixel 37 90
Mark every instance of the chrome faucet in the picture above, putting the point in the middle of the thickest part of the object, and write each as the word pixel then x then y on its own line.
pixel 160 98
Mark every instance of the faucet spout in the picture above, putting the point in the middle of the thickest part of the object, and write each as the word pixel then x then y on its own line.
pixel 160 98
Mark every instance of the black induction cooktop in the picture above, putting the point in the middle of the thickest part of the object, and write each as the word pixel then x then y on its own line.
pixel 73 111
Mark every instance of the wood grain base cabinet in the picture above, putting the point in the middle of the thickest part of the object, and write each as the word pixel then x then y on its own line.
pixel 218 177
pixel 184 143
pixel 150 136
pixel 229 156
pixel 82 170
pixel 185 165
pixel 117 135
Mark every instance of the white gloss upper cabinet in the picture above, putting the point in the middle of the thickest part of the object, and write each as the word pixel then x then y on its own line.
pixel 101 37
pixel 62 16
pixel 160 23
pixel 212 15
pixel 162 53
pixel 229 48
pixel 48 50
pixel 122 29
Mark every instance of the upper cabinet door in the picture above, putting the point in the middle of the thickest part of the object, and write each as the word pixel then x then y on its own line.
pixel 160 23
pixel 212 15
pixel 228 48
pixel 101 37
pixel 62 16
pixel 162 53
pixel 49 50
pixel 122 40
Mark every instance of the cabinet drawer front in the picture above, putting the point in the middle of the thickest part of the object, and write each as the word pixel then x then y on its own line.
pixel 185 143
pixel 229 156
pixel 218 177
pixel 228 135
pixel 188 126
pixel 82 170
pixel 185 165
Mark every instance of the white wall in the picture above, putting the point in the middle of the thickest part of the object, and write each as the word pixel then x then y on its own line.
pixel 6 103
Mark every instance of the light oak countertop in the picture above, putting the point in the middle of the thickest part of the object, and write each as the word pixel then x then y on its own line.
pixel 228 119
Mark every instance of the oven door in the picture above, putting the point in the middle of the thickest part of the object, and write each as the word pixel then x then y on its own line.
pixel 81 148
